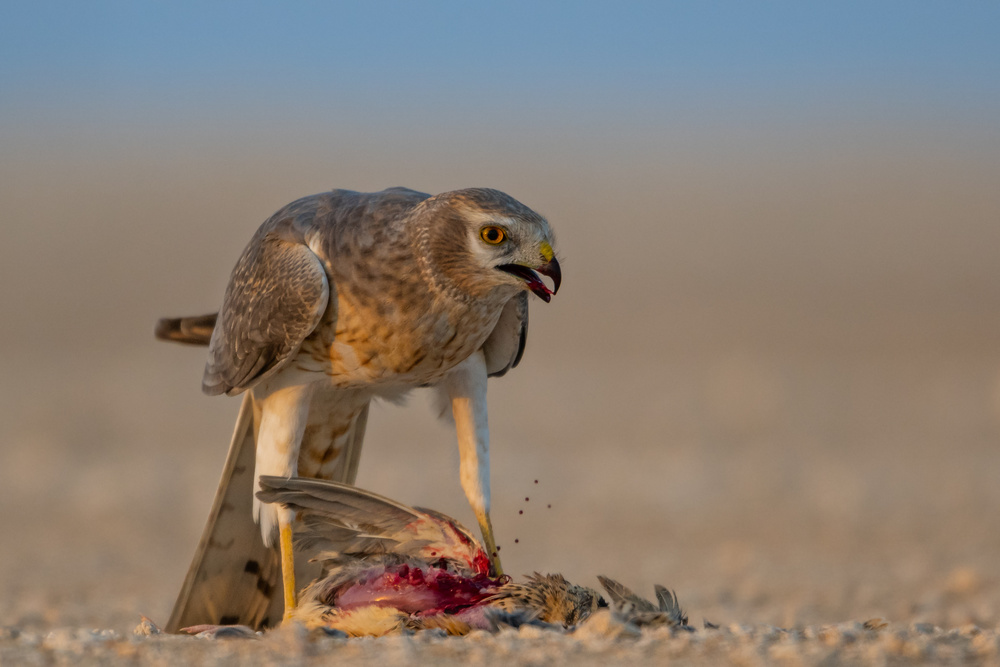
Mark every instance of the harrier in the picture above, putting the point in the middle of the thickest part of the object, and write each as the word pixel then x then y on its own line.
pixel 340 298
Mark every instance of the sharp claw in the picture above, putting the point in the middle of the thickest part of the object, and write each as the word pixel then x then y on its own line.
pixel 489 543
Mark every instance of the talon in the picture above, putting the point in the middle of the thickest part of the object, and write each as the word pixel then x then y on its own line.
pixel 489 543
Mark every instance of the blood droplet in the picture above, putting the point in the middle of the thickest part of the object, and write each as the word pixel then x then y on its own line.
pixel 516 540
pixel 550 506
pixel 520 511
pixel 526 499
pixel 536 481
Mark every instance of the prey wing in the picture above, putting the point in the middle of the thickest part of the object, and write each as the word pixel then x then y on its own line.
pixel 336 519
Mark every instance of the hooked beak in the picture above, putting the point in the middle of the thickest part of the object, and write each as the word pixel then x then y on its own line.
pixel 531 279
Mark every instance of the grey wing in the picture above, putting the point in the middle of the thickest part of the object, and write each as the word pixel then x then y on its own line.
pixel 505 345
pixel 622 596
pixel 337 503
pixel 670 606
pixel 276 296
pixel 334 518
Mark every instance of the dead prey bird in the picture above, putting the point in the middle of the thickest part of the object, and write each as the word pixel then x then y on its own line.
pixel 389 567
pixel 338 299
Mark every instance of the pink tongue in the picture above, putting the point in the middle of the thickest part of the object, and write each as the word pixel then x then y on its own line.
pixel 538 284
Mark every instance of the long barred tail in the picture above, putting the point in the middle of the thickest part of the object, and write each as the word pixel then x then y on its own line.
pixel 233 577
pixel 195 330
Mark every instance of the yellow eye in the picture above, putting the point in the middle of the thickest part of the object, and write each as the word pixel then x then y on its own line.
pixel 493 235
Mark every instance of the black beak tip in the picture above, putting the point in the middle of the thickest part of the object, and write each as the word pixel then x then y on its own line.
pixel 554 271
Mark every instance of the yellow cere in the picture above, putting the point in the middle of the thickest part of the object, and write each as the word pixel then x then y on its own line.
pixel 547 251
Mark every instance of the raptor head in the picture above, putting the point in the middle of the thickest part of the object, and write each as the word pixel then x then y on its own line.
pixel 507 245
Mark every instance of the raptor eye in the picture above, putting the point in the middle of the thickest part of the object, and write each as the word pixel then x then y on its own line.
pixel 493 235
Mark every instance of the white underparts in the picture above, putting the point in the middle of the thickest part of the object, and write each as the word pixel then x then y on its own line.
pixel 283 419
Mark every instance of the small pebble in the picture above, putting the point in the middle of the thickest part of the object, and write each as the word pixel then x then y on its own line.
pixel 876 624
pixel 333 633
pixel 146 628
pixel 603 624
pixel 529 631
pixel 969 630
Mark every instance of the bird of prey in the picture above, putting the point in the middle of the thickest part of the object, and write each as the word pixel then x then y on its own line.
pixel 340 298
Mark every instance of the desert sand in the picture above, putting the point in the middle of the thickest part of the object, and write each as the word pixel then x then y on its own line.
pixel 771 382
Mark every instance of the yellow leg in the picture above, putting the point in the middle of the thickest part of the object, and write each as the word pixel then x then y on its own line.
pixel 287 566
pixel 486 527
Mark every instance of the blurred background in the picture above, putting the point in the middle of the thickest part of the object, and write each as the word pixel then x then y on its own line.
pixel 771 380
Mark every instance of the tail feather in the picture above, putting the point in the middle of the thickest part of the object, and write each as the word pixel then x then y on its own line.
pixel 234 578
pixel 195 330
pixel 622 596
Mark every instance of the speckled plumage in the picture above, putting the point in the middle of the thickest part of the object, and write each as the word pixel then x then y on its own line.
pixel 554 599
pixel 640 611
pixel 410 303
pixel 343 297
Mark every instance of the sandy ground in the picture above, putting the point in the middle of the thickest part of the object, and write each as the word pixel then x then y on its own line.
pixel 843 644
pixel 770 383
pixel 755 532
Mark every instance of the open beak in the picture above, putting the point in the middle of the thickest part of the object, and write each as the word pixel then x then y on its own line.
pixel 533 281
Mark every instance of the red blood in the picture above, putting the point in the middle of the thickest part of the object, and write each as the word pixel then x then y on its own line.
pixel 550 506
pixel 516 540
pixel 481 563
pixel 520 511
pixel 424 590
pixel 536 481
pixel 526 499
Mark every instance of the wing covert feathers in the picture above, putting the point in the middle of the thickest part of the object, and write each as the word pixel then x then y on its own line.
pixel 276 296
pixel 622 596
pixel 505 345
pixel 335 519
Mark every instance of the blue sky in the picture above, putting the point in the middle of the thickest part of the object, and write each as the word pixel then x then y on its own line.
pixel 180 57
